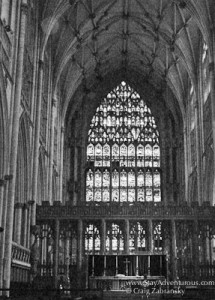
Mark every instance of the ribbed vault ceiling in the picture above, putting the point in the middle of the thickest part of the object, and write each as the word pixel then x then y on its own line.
pixel 158 40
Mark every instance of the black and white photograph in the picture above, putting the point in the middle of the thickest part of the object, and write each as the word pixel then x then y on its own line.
pixel 107 149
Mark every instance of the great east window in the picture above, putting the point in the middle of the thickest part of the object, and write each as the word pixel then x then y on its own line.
pixel 123 151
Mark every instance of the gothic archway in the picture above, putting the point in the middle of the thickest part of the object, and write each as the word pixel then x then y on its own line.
pixel 123 152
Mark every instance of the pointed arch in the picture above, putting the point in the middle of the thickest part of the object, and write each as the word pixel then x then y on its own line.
pixel 123 141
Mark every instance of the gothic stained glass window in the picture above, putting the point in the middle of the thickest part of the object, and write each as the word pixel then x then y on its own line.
pixel 123 151
pixel 92 239
pixel 115 238
pixel 138 234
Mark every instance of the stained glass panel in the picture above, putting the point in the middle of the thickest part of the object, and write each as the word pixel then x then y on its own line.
pixel 114 238
pixel 92 239
pixel 137 241
pixel 123 146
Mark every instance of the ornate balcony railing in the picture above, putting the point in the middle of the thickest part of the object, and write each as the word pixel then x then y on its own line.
pixel 20 255
pixel 143 210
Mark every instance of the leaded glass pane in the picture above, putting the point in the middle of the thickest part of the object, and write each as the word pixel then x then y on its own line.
pixel 140 179
pixel 90 179
pixel 123 195
pixel 123 150
pixel 98 179
pixel 115 151
pixel 137 240
pixel 89 195
pixel 131 179
pixel 114 239
pixel 90 150
pixel 106 178
pixel 98 195
pixel 148 194
pixel 131 195
pixel 115 195
pixel 115 179
pixel 106 195
pixel 123 178
pixel 92 239
pixel 141 195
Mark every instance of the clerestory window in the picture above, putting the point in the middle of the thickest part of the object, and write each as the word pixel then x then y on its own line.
pixel 123 152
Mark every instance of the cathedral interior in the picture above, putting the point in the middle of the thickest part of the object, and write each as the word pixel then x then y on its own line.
pixel 107 138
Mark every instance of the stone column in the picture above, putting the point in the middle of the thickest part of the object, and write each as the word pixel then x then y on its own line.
pixel 14 147
pixel 186 164
pixel 127 236
pixel 93 265
pixel 51 154
pixel 137 266
pixel 2 184
pixel 174 252
pixel 149 265
pixel 117 264
pixel 26 224
pixel 75 193
pixel 61 166
pixel 103 236
pixel 150 235
pixel 198 153
pixel 30 203
pixel 212 79
pixel 80 243
pixel 18 222
pixel 44 247
pixel 13 14
pixel 150 244
pixel 56 251
pixel 36 140
pixel 105 265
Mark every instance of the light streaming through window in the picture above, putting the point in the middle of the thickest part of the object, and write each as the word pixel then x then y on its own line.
pixel 123 152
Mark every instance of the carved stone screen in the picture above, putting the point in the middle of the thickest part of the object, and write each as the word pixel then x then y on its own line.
pixel 123 151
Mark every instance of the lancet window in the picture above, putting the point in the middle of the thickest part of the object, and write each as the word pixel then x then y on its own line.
pixel 115 238
pixel 92 239
pixel 123 151
pixel 138 235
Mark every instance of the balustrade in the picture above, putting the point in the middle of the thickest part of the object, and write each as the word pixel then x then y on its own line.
pixel 20 255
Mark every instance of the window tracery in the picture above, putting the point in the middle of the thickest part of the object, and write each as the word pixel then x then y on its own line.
pixel 92 239
pixel 115 238
pixel 138 235
pixel 123 151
